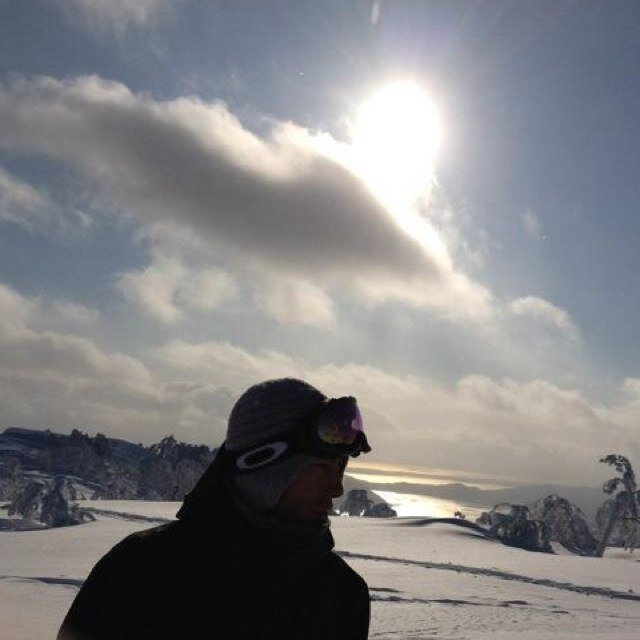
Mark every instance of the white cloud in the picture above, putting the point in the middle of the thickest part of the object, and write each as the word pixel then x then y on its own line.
pixel 295 301
pixel 33 210
pixel 465 237
pixel 47 375
pixel 221 362
pixel 15 309
pixel 206 289
pixel 115 15
pixel 153 289
pixel 537 399
pixel 544 311
pixel 632 386
pixel 24 205
pixel 19 202
pixel 48 353
pixel 277 204
pixel 532 225
pixel 70 315
pixel 167 287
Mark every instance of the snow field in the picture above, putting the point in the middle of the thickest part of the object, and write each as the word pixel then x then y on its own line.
pixel 426 581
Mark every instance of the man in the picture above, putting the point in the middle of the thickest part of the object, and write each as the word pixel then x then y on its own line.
pixel 250 555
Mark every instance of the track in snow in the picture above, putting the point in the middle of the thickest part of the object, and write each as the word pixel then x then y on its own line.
pixel 65 582
pixel 502 575
pixel 134 517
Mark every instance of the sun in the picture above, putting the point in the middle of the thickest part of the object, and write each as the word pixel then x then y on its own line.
pixel 395 139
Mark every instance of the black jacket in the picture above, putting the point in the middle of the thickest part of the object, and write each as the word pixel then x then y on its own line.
pixel 215 574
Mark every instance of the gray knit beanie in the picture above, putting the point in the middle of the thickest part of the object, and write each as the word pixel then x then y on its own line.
pixel 262 414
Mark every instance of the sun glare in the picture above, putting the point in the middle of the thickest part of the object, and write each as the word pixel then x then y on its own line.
pixel 395 140
pixel 394 144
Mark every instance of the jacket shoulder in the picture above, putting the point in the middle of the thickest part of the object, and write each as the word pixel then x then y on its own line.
pixel 136 550
pixel 351 600
pixel 343 574
pixel 138 540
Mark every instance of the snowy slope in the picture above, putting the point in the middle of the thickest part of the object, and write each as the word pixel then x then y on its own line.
pixel 426 581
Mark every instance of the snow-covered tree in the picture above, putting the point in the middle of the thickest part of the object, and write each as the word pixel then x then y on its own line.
pixel 624 504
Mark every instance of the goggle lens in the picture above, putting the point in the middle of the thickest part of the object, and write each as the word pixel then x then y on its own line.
pixel 340 423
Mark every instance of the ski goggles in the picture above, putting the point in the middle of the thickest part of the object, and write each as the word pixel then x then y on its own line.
pixel 335 429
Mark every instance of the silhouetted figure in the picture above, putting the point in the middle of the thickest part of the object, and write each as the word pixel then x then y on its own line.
pixel 250 555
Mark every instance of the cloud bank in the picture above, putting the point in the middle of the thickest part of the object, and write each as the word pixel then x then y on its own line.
pixel 527 430
pixel 275 204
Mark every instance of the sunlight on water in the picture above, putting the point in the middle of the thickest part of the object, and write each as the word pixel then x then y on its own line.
pixel 407 504
pixel 376 472
pixel 379 478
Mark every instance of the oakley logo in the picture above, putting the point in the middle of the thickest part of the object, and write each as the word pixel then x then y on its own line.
pixel 261 456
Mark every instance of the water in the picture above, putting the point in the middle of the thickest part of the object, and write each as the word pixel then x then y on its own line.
pixel 414 505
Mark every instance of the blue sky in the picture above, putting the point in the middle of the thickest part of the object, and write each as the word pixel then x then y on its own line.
pixel 183 212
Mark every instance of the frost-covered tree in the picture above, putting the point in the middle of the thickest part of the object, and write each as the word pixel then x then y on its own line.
pixel 168 448
pixel 624 504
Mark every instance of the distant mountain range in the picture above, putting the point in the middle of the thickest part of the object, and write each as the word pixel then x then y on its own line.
pixel 117 469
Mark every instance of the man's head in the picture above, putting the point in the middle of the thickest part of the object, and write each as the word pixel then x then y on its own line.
pixel 279 462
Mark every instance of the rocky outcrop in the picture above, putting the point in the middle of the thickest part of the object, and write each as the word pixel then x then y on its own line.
pixel 359 502
pixel 564 523
pixel 512 524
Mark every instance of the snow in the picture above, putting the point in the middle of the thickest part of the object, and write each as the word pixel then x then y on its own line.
pixel 426 580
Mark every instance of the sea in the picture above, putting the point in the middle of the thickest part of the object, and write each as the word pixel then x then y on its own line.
pixel 414 505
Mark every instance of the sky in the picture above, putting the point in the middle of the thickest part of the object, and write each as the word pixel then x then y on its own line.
pixel 428 205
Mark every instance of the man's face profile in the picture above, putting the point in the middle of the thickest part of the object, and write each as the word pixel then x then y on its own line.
pixel 309 498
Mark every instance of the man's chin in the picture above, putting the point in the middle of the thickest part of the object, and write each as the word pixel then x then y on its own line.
pixel 317 516
pixel 308 517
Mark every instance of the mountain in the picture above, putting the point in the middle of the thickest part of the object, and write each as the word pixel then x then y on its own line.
pixel 118 469
pixel 109 467
pixel 33 462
